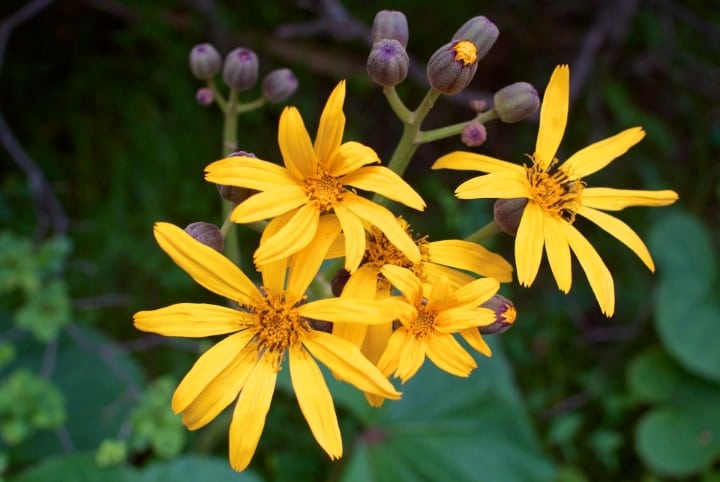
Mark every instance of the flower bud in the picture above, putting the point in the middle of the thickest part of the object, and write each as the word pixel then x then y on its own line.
pixel 390 24
pixel 241 69
pixel 473 134
pixel 204 61
pixel 388 63
pixel 204 96
pixel 208 234
pixel 508 212
pixel 480 31
pixel 452 66
pixel 516 102
pixel 279 85
pixel 505 315
pixel 236 194
pixel 478 105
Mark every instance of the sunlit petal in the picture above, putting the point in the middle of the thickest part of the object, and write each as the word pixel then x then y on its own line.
pixel 558 253
pixel 295 145
pixel 405 281
pixel 268 204
pixel 306 262
pixel 610 199
pixel 462 160
pixel 354 310
pixel 498 185
pixel 598 155
pixel 553 116
pixel 474 293
pixel 412 358
pixel 436 271
pixel 291 238
pixel 332 124
pixel 449 355
pixel 475 340
pixel 456 319
pixel 193 320
pixel 389 360
pixel 354 234
pixel 385 182
pixel 469 256
pixel 529 244
pixel 349 157
pixel 248 172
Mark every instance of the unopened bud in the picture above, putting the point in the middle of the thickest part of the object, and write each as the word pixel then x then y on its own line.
pixel 452 66
pixel 204 96
pixel 480 31
pixel 337 284
pixel 236 194
pixel 388 63
pixel 473 134
pixel 208 234
pixel 204 61
pixel 516 102
pixel 390 24
pixel 241 69
pixel 505 315
pixel 478 105
pixel 279 85
pixel 508 212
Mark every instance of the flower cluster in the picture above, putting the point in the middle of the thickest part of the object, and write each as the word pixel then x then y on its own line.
pixel 398 298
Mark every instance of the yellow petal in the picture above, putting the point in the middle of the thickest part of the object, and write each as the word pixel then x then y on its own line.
pixel 268 204
pixel 386 222
pixel 249 415
pixel 529 243
pixel 498 185
pixel 354 310
pixel 598 155
pixel 405 281
pixel 206 266
pixel 454 320
pixel 207 367
pixel 291 238
pixel 470 256
pixel 273 274
pixel 473 294
pixel 621 232
pixel 475 340
pixel 349 157
pixel 221 390
pixel 354 234
pixel 332 124
pixel 376 340
pixel 597 273
pixel 306 262
pixel 381 180
pixel 461 160
pixel 248 172
pixel 389 359
pixel 448 355
pixel 553 116
pixel 192 320
pixel 411 359
pixel 316 403
pixel 362 284
pixel 437 293
pixel 435 271
pixel 295 145
pixel 610 199
pixel 345 359
pixel 558 253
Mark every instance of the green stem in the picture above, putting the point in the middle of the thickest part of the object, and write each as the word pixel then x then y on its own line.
pixel 229 145
pixel 454 129
pixel 398 106
pixel 217 95
pixel 484 233
pixel 248 106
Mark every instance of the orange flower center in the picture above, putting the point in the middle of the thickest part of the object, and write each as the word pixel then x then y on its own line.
pixel 278 327
pixel 324 190
pixel 554 190
pixel 379 251
pixel 424 325
pixel 466 52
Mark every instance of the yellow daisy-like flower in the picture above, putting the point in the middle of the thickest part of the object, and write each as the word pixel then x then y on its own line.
pixel 427 330
pixel 267 326
pixel 556 193
pixel 317 179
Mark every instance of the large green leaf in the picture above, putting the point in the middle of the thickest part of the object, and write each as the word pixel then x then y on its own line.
pixel 74 468
pixel 449 428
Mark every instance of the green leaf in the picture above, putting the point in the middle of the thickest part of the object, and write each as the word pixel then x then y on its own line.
pixel 74 468
pixel 450 428
pixel 194 469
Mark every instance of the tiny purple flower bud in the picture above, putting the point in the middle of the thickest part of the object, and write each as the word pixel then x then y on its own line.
pixel 241 68
pixel 505 315
pixel 204 96
pixel 473 134
pixel 508 212
pixel 388 63
pixel 204 61
pixel 206 233
pixel 516 102
pixel 236 194
pixel 480 31
pixel 390 24
pixel 279 85
pixel 452 66
pixel 478 105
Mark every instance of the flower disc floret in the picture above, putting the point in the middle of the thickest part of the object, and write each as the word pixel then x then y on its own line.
pixel 557 193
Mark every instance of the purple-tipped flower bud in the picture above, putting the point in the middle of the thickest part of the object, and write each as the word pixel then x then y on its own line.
pixel 390 24
pixel 452 66
pixel 478 105
pixel 208 234
pixel 473 134
pixel 241 69
pixel 388 63
pixel 508 212
pixel 480 31
pixel 505 315
pixel 236 194
pixel 279 85
pixel 204 96
pixel 516 102
pixel 204 61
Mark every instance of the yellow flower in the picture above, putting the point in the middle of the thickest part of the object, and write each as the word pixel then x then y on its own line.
pixel 427 330
pixel 556 193
pixel 317 180
pixel 266 326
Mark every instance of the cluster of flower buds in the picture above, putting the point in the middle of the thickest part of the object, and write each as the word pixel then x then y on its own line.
pixel 240 72
pixel 388 61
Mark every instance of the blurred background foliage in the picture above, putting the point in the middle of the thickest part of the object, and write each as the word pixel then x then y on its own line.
pixel 98 96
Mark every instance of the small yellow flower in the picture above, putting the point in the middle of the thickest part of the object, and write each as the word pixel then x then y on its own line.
pixel 266 326
pixel 556 193
pixel 427 330
pixel 317 180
